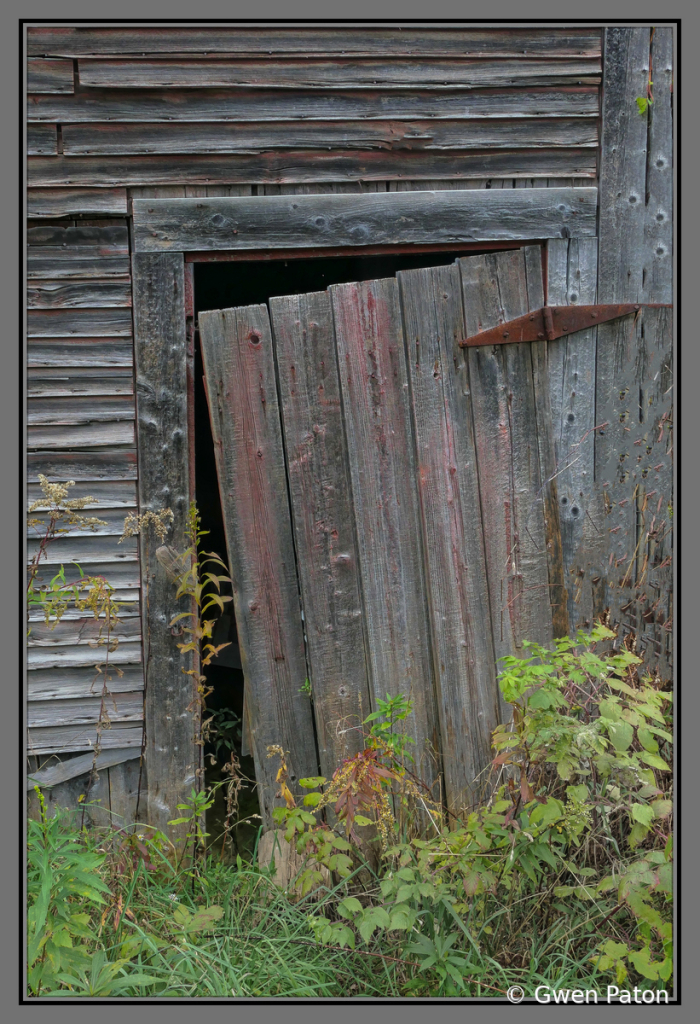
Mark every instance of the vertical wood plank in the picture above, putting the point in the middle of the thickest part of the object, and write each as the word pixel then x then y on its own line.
pixel 171 753
pixel 572 267
pixel 658 225
pixel 634 375
pixel 376 412
pixel 467 694
pixel 124 792
pixel 547 450
pixel 319 485
pixel 508 450
pixel 244 410
pixel 87 799
pixel 655 576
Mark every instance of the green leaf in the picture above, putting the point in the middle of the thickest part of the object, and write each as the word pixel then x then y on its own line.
pixel 339 843
pixel 312 799
pixel 313 782
pixel 543 699
pixel 666 969
pixel 610 709
pixel 544 853
pixel 654 760
pixel 182 916
pixel 401 919
pixel 647 740
pixel 578 793
pixel 455 975
pixel 621 735
pixel 642 961
pixel 349 907
pixel 204 918
pixel 406 892
pixel 615 950
pixel 662 808
pixel 471 880
pixel 367 927
pixel 665 875
pixel 643 813
pixel 340 863
pixel 362 820
pixel 660 732
pixel 547 813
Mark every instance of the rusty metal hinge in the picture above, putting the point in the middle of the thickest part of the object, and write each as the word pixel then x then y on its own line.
pixel 552 322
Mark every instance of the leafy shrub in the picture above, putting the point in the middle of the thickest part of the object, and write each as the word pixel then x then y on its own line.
pixel 580 808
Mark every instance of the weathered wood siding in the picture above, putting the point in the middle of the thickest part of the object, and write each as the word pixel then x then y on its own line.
pixel 80 412
pixel 257 106
pixel 204 112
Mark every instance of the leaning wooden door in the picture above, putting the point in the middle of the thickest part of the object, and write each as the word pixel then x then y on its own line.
pixel 389 509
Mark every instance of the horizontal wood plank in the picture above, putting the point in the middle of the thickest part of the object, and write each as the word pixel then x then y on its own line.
pixel 49 75
pixel 87 323
pixel 81 656
pixel 54 382
pixel 127 600
pixel 337 74
pixel 258 105
pixel 71 684
pixel 66 202
pixel 222 137
pixel 93 293
pixel 117 707
pixel 60 738
pixel 82 466
pixel 62 771
pixel 76 352
pixel 355 219
pixel 74 262
pixel 110 494
pixel 308 166
pixel 356 41
pixel 85 548
pixel 86 435
pixel 112 240
pixel 47 437
pixel 110 408
pixel 42 140
pixel 68 632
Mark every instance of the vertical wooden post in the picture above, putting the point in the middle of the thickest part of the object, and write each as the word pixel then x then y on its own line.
pixel 171 752
pixel 634 375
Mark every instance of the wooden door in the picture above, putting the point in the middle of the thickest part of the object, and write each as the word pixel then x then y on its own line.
pixel 390 507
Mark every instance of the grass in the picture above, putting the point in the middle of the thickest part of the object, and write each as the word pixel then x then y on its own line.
pixel 552 882
pixel 262 945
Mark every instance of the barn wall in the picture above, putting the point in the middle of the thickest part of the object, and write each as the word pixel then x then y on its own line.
pixel 122 113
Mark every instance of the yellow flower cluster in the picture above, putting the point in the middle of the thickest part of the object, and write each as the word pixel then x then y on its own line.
pixel 135 524
pixel 60 507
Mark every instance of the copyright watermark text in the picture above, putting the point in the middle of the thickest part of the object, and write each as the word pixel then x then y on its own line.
pixel 613 994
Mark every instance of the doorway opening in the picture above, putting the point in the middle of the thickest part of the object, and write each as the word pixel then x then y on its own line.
pixel 224 284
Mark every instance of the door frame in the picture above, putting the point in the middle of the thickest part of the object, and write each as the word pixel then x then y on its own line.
pixel 169 236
